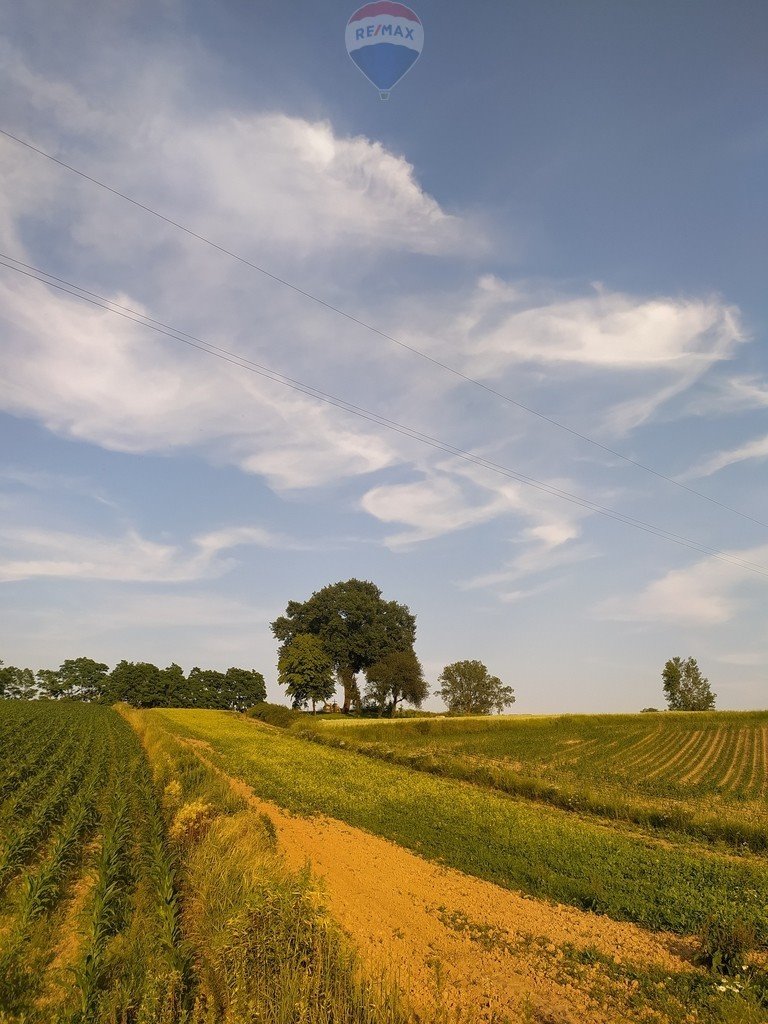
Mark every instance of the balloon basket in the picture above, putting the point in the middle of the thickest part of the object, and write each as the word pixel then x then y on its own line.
pixel 384 95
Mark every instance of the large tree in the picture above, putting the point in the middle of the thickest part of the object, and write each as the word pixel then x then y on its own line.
pixel 468 688
pixel 305 669
pixel 397 677
pixel 685 688
pixel 356 626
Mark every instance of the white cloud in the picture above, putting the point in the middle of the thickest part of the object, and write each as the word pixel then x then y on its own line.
pixel 436 505
pixel 260 183
pixel 732 394
pixel 605 330
pixel 456 497
pixel 293 182
pixel 703 594
pixel 320 208
pixel 534 341
pixel 27 553
pixel 756 449
pixel 96 378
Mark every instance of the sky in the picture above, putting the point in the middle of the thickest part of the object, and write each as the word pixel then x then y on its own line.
pixel 562 203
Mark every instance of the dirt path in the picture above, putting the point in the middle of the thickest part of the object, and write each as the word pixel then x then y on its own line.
pixel 465 949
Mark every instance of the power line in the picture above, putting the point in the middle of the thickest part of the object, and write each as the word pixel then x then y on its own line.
pixel 447 367
pixel 69 288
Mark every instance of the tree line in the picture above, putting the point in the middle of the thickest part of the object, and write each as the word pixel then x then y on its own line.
pixel 341 632
pixel 139 683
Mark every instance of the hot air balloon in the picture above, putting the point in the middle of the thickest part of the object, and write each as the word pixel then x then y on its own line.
pixel 384 40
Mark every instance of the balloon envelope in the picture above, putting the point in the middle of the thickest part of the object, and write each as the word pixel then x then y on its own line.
pixel 385 40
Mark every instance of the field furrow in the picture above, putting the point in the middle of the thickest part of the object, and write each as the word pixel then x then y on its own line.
pixel 680 751
pixel 708 755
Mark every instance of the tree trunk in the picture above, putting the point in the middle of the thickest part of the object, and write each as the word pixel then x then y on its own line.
pixel 347 680
pixel 393 709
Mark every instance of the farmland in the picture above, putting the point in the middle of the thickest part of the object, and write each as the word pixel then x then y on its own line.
pixel 667 754
pixel 705 774
pixel 130 881
pixel 153 869
pixel 616 870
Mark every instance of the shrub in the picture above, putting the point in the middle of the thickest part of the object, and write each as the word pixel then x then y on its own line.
pixel 726 941
pixel 274 714
pixel 191 822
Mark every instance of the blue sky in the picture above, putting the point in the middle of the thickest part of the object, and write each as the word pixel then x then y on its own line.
pixel 565 202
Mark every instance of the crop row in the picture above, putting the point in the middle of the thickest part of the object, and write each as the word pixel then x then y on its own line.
pixel 672 755
pixel 86 819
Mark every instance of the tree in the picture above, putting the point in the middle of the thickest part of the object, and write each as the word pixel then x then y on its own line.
pixel 242 688
pixel 469 689
pixel 685 688
pixel 305 669
pixel 398 676
pixel 17 683
pixel 75 679
pixel 356 626
pixel 138 683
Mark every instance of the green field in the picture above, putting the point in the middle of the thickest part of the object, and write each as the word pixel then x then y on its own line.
pixel 136 888
pixel 540 850
pixel 705 773
pixel 87 913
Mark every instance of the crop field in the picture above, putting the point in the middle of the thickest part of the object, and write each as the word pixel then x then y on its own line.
pixel 617 870
pixel 702 773
pixel 691 753
pixel 87 918
pixel 136 887
pixel 153 870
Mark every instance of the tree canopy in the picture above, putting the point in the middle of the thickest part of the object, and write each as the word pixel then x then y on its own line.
pixel 76 678
pixel 17 683
pixel 397 677
pixel 685 688
pixel 305 669
pixel 468 688
pixel 139 683
pixel 356 626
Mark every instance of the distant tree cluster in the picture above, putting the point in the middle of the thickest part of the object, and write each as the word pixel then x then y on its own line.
pixel 138 683
pixel 346 629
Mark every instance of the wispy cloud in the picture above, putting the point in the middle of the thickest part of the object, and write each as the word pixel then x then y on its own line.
pixel 706 593
pixel 608 330
pixel 755 449
pixel 34 553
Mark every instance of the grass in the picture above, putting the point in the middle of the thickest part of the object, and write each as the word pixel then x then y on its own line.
pixel 263 947
pixel 539 850
pixel 704 775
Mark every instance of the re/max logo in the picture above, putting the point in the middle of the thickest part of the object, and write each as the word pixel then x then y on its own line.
pixel 384 30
